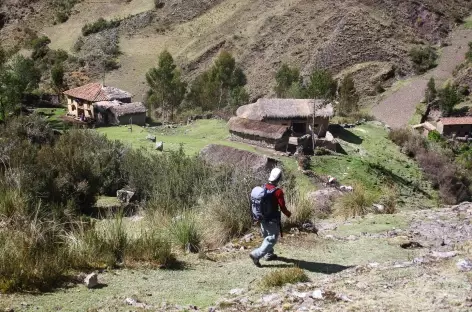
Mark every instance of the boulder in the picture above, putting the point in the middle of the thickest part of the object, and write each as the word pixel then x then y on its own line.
pixel 151 138
pixel 219 155
pixel 159 146
pixel 125 196
pixel 443 255
pixel 91 280
pixel 464 265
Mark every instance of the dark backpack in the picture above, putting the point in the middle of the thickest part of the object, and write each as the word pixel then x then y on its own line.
pixel 262 207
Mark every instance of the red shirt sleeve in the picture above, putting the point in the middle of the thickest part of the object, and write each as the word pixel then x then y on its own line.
pixel 279 194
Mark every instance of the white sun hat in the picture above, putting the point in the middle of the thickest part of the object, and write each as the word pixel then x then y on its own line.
pixel 275 174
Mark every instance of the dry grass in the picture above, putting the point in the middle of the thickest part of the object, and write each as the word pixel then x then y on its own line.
pixel 302 211
pixel 356 203
pixel 389 200
pixel 284 276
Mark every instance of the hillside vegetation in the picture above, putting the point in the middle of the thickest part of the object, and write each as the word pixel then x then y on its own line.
pixel 261 34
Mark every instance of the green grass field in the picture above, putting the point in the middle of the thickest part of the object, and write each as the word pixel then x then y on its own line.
pixel 371 158
pixel 53 116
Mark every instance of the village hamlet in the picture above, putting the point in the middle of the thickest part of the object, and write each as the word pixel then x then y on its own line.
pixel 104 105
pixel 284 124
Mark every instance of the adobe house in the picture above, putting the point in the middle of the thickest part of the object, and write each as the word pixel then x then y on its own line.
pixel 80 100
pixel 118 113
pixel 259 133
pixel 457 126
pixel 424 128
pixel 276 123
pixel 297 114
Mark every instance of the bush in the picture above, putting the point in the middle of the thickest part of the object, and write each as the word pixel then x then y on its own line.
pixel 99 25
pixel 30 258
pixel 356 203
pixel 423 58
pixel 389 199
pixel 284 276
pixel 302 211
pixel 400 136
pixel 61 17
pixel 186 233
pixel 434 136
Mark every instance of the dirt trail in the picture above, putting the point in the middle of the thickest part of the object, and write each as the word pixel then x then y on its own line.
pixel 397 108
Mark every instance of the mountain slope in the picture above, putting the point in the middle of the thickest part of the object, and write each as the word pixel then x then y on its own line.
pixel 260 33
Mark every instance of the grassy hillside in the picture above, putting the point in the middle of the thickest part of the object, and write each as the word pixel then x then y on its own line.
pixel 260 34
pixel 372 159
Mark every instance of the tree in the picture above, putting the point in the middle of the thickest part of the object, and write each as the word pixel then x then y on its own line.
pixel 287 78
pixel 348 97
pixel 430 93
pixel 167 90
pixel 57 77
pixel 18 77
pixel 448 97
pixel 423 58
pixel 322 85
pixel 220 86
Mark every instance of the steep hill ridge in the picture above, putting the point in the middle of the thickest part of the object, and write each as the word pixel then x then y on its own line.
pixel 261 33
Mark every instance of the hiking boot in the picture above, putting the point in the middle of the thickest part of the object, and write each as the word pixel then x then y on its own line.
pixel 270 257
pixel 255 260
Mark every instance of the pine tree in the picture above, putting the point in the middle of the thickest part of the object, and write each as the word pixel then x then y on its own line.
pixel 348 97
pixel 167 90
pixel 287 79
pixel 430 93
pixel 322 85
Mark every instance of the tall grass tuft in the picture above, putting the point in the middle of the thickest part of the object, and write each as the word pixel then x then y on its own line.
pixel 302 211
pixel 185 231
pixel 280 277
pixel 356 203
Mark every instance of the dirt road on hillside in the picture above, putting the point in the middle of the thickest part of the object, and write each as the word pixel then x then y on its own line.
pixel 397 108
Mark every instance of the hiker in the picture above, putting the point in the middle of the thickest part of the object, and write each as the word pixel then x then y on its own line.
pixel 266 202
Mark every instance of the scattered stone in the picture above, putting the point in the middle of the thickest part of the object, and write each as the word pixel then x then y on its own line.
pixel 151 138
pixel 159 146
pixel 9 310
pixel 91 280
pixel 419 260
pixel 236 291
pixel 125 196
pixel 344 298
pixel 411 245
pixel 373 265
pixel 299 294
pixel 352 238
pixel 464 265
pixel 270 298
pixel 135 303
pixel 444 255
pixel 248 238
pixel 379 208
pixel 317 294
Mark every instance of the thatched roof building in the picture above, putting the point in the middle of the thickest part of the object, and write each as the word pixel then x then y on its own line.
pixel 128 109
pixel 267 109
pixel 257 128
pixel 224 155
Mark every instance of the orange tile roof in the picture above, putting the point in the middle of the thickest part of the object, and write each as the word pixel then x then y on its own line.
pixel 456 121
pixel 96 92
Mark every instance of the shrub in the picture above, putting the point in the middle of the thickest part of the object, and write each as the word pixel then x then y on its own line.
pixel 30 258
pixel 423 58
pixel 99 25
pixel 434 136
pixel 356 203
pixel 301 209
pixel 400 136
pixel 389 199
pixel 151 247
pixel 185 232
pixel 61 17
pixel 159 4
pixel 284 276
pixel 78 44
